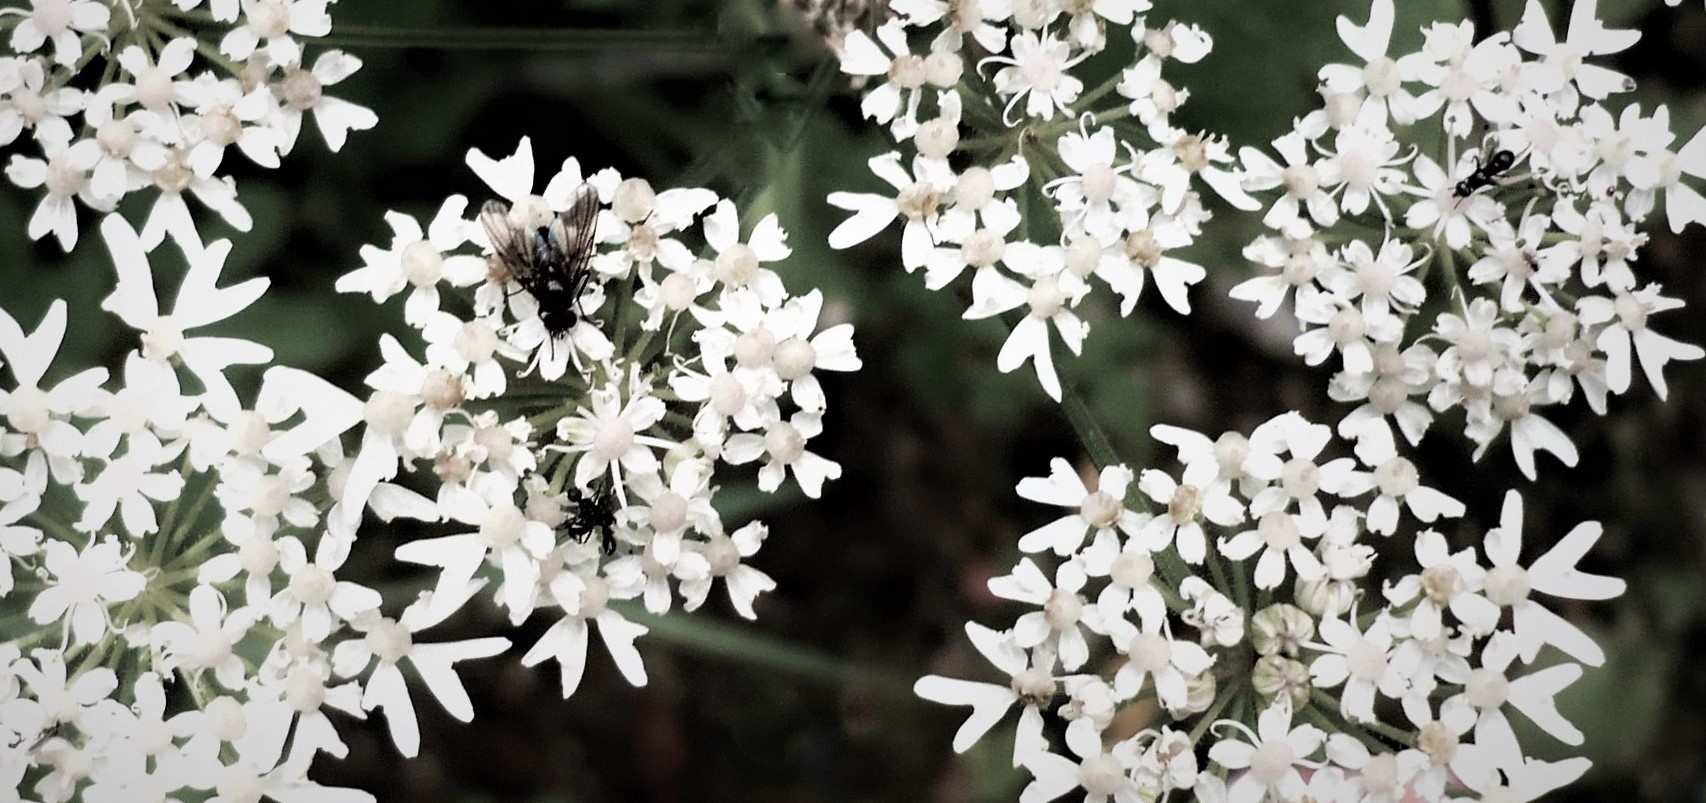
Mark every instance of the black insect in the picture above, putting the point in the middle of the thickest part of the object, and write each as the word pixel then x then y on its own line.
pixel 47 735
pixel 553 262
pixel 1485 174
pixel 594 511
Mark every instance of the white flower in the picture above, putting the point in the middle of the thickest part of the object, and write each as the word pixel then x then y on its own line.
pixel 1398 483
pixel 1627 319
pixel 30 104
pixel 388 643
pixel 784 443
pixel 1032 686
pixel 65 175
pixel 510 539
pixel 1362 661
pixel 1277 534
pixel 1447 580
pixel 1271 757
pixel 36 416
pixel 1057 623
pixel 1381 77
pixel 83 585
pixel 1097 512
pixel 906 75
pixel 130 485
pixel 208 640
pixel 62 21
pixel 304 91
pixel 199 302
pixel 417 260
pixel 1102 774
pixel 723 554
pixel 1554 573
pixel 1185 504
pixel 1038 69
pixel 918 200
pixel 1050 298
pixel 1487 690
pixel 1302 182
pixel 607 437
pixel 1151 652
pixel 1563 62
pixel 313 595
pixel 585 600
pixel 273 21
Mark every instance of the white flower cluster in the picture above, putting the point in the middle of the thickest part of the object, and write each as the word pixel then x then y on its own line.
pixel 1114 174
pixel 1205 629
pixel 154 123
pixel 1518 238
pixel 675 363
pixel 158 532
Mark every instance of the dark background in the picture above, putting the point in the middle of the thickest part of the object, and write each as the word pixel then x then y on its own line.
pixel 812 702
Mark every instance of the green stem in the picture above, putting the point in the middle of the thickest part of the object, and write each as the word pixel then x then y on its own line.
pixel 1213 713
pixel 517 38
pixel 1084 425
pixel 708 636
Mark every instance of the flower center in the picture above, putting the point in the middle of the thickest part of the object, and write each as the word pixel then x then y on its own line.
pixel 736 265
pixel 784 443
pixel 727 395
pixel 615 436
pixel 794 358
pixel 1062 609
pixel 1132 569
pixel 390 640
pixel 64 179
pixel 1150 652
pixel 312 585
pixel 1271 761
pixel 1507 585
pixel 983 248
pixel 1279 531
pixel 30 413
pixel 1486 689
pixel 502 526
pixel 1382 77
pixel 1396 477
pixel 1045 298
pixel 301 90
pixel 221 126
pixel 1442 583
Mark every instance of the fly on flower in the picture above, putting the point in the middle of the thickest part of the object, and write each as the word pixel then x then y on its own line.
pixel 551 261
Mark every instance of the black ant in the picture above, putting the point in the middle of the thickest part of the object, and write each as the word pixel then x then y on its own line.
pixel 1485 174
pixel 594 511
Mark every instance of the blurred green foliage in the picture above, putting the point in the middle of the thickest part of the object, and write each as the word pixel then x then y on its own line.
pixel 739 97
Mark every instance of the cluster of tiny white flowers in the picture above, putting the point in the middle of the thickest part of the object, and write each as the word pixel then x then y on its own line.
pixel 1518 238
pixel 156 541
pixel 1218 633
pixel 161 536
pixel 994 86
pixel 178 87
pixel 587 459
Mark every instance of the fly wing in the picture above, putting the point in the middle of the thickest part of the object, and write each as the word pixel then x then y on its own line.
pixel 579 225
pixel 508 242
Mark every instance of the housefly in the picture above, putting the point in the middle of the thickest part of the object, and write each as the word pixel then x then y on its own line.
pixel 553 261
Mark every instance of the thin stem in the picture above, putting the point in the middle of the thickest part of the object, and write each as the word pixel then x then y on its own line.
pixel 711 637
pixel 1213 713
pixel 1084 425
pixel 515 38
